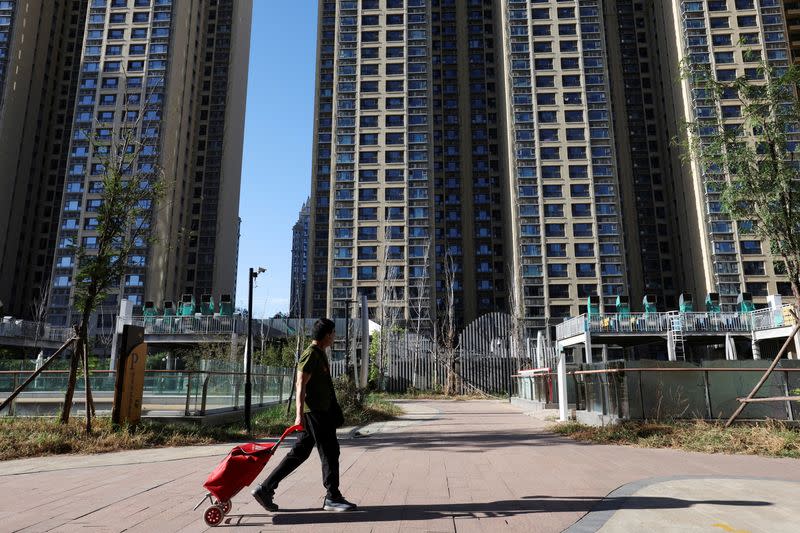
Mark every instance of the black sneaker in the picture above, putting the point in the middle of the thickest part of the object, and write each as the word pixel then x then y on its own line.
pixel 338 505
pixel 264 497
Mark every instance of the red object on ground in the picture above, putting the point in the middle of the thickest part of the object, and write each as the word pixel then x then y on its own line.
pixel 242 465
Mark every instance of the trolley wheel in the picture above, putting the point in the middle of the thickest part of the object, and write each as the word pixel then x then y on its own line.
pixel 225 506
pixel 213 515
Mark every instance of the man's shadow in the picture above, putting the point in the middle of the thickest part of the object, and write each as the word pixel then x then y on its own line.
pixel 503 508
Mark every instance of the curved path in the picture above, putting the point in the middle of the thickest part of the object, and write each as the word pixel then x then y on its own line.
pixel 446 466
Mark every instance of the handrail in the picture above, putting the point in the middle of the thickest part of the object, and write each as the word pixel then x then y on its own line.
pixel 27 329
pixel 153 371
pixel 687 322
pixel 656 369
pixel 189 325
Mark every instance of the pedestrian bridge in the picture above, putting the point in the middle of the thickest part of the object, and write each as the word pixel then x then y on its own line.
pixel 185 394
pixel 28 334
pixel 626 329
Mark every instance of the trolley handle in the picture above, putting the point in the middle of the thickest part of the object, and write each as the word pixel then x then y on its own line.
pixel 289 431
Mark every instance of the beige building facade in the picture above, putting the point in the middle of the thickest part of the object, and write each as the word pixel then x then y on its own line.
pixel 527 147
pixel 75 70
pixel 730 38
pixel 39 73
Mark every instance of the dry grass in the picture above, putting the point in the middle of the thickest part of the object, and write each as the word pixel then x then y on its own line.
pixel 33 437
pixel 413 394
pixel 770 438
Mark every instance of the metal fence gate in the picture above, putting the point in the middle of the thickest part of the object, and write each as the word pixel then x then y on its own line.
pixel 485 357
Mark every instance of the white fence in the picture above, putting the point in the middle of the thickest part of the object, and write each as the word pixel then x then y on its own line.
pixel 25 329
pixel 484 360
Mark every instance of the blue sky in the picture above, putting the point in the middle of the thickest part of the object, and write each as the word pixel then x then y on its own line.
pixel 276 169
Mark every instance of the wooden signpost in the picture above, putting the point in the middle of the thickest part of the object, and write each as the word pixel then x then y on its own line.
pixel 129 385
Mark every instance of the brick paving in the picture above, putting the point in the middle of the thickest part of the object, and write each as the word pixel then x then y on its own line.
pixel 450 466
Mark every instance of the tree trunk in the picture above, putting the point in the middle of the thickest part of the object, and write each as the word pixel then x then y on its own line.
pixel 71 380
pixel 80 343
pixel 793 270
pixel 88 389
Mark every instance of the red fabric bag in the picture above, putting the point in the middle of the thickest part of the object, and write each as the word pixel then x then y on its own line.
pixel 241 467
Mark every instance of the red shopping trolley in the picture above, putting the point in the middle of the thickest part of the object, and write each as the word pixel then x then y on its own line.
pixel 241 466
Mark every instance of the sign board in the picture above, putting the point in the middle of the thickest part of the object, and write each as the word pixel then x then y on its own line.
pixel 129 385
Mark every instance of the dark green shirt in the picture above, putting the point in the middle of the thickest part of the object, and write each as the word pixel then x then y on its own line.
pixel 319 389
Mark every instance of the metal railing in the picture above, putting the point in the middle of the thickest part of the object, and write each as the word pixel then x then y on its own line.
pixel 191 325
pixel 571 327
pixel 713 322
pixel 25 329
pixel 166 392
pixel 692 322
pixel 630 323
pixel 763 319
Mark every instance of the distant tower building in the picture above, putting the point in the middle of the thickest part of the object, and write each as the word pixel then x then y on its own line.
pixel 190 60
pixel 297 307
pixel 40 61
pixel 406 172
pixel 730 38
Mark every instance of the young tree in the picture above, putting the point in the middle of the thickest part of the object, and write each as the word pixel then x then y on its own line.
pixel 517 312
pixel 753 166
pixel 390 313
pixel 419 308
pixel 448 328
pixel 39 313
pixel 128 198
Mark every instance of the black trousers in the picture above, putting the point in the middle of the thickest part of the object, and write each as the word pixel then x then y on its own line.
pixel 320 432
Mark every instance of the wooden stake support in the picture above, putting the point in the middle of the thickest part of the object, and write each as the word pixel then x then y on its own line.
pixel 33 376
pixel 771 399
pixel 751 397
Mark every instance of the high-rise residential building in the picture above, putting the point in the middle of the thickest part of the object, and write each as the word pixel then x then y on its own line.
pixel 407 186
pixel 791 9
pixel 40 43
pixel 177 72
pixel 526 147
pixel 567 217
pixel 297 296
pixel 486 129
pixel 731 38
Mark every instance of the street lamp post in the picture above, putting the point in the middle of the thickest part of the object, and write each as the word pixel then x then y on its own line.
pixel 248 355
pixel 347 338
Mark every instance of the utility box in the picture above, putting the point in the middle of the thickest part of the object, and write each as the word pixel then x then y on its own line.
pixel 187 307
pixel 150 309
pixel 207 304
pixel 712 303
pixel 169 308
pixel 225 305
pixel 686 303
pixel 129 383
pixel 623 305
pixel 649 304
pixel 592 307
pixel 744 302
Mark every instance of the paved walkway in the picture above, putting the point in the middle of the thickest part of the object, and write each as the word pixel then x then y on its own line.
pixel 450 466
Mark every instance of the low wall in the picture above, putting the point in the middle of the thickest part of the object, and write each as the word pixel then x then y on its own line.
pixel 646 389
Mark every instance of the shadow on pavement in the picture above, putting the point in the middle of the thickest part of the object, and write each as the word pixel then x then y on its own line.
pixel 463 441
pixel 504 508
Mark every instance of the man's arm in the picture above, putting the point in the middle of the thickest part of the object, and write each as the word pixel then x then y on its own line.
pixel 300 398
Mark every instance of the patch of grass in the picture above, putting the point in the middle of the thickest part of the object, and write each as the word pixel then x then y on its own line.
pixel 34 437
pixel 770 438
pixel 415 394
pixel 273 421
